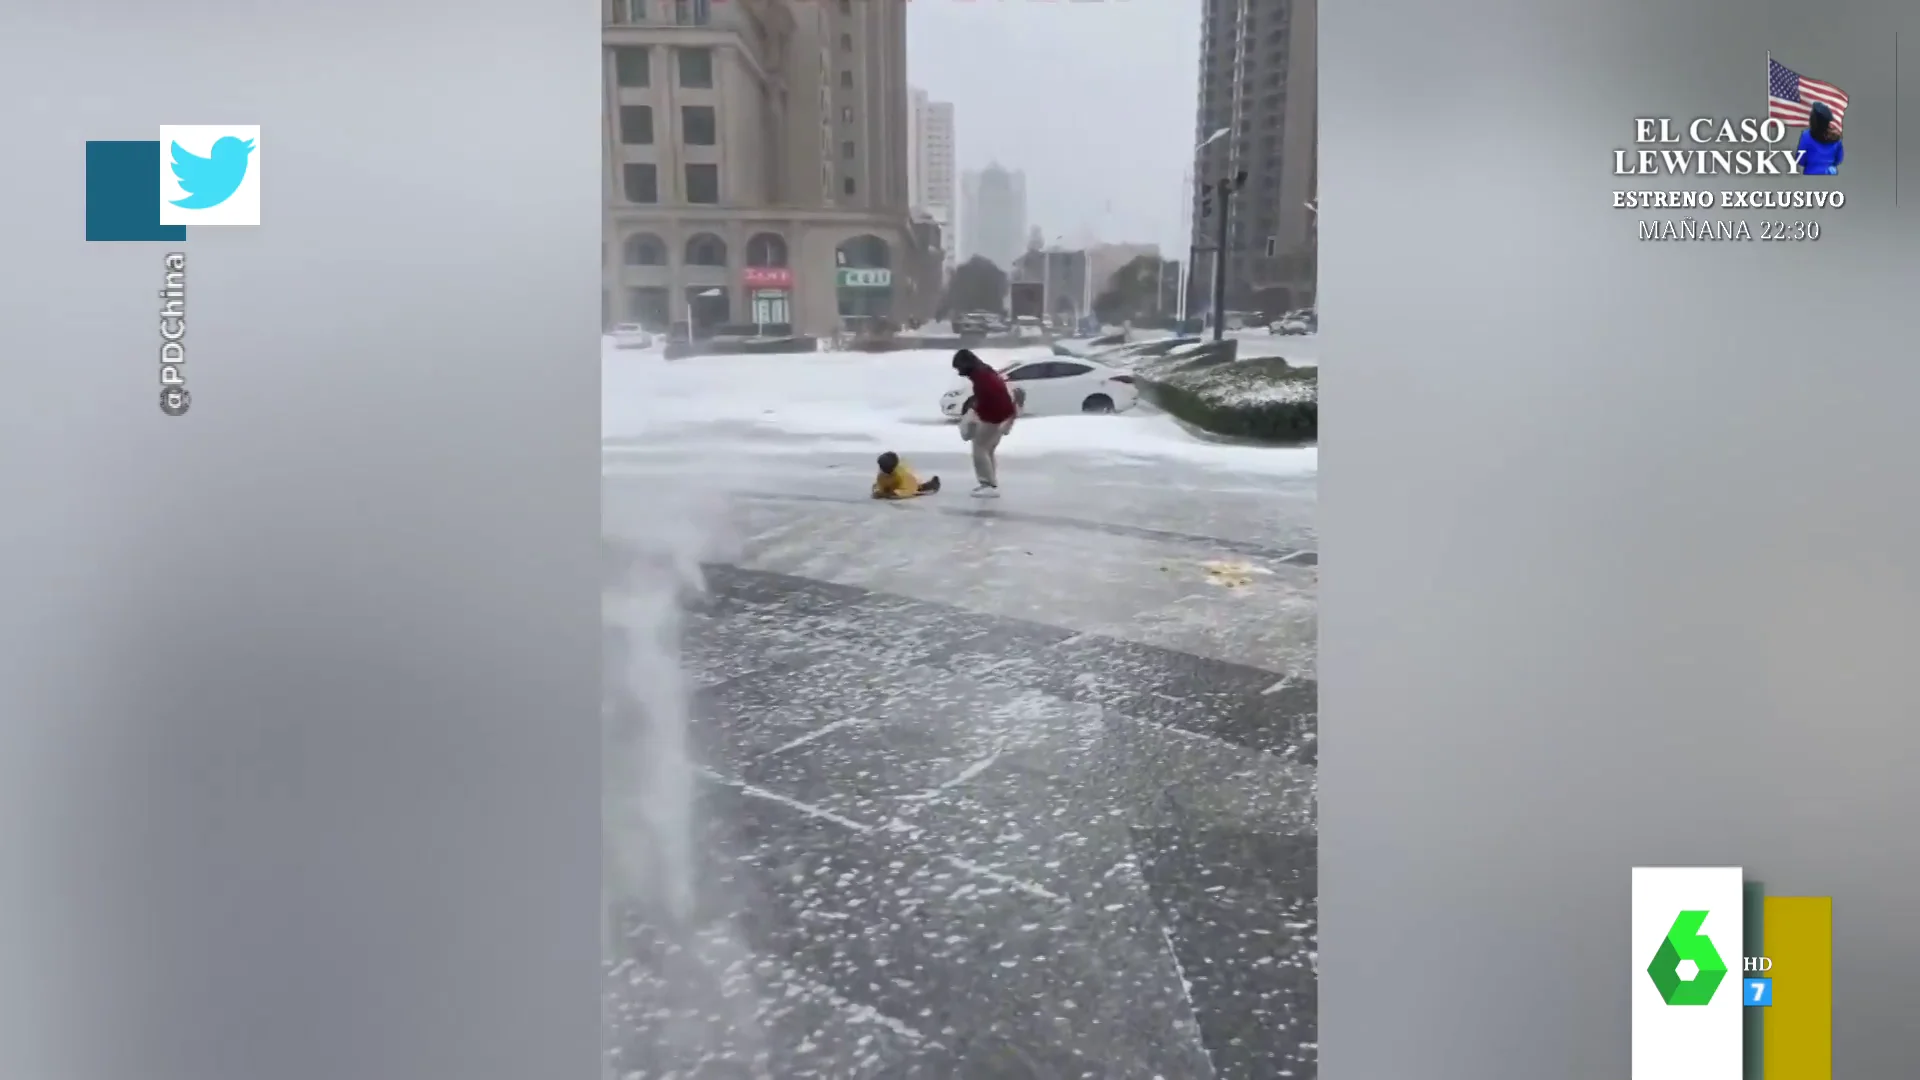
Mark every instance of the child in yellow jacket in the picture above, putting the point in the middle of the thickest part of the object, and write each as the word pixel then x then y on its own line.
pixel 896 481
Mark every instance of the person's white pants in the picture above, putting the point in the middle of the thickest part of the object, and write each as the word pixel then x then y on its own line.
pixel 986 440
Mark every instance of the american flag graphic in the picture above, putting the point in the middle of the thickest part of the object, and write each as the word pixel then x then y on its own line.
pixel 1789 93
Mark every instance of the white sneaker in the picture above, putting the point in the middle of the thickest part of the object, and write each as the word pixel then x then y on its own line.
pixel 986 491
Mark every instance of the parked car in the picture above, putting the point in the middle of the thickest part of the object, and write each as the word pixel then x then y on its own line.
pixel 631 336
pixel 979 322
pixel 1295 323
pixel 1055 386
pixel 1158 347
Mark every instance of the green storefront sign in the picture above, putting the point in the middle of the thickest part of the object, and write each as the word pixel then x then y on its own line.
pixel 865 278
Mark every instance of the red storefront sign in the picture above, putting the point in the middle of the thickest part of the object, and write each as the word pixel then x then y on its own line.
pixel 767 277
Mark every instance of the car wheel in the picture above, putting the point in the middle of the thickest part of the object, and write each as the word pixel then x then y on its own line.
pixel 1098 403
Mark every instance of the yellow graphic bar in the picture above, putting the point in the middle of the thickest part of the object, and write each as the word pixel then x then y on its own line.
pixel 1799 1023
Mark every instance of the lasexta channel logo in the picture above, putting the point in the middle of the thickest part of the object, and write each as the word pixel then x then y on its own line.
pixel 1686 947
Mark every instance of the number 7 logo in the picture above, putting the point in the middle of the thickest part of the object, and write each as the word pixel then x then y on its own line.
pixel 1759 993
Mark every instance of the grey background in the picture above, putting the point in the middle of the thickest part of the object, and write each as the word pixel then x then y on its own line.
pixel 1627 575
pixel 298 706
pixel 299 722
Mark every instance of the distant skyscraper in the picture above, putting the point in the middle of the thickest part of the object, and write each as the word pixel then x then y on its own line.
pixel 931 166
pixel 993 214
pixel 1258 80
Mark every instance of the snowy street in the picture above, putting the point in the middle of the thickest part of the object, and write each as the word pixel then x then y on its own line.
pixel 997 789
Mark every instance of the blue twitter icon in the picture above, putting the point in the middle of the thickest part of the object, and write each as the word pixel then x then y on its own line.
pixel 211 180
pixel 209 174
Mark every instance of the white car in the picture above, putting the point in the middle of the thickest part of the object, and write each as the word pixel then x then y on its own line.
pixel 1294 323
pixel 631 336
pixel 1055 386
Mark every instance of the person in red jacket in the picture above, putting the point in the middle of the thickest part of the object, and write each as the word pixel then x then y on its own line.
pixel 993 412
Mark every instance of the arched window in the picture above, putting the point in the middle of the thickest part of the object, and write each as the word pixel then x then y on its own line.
pixel 646 249
pixel 767 249
pixel 866 251
pixel 706 249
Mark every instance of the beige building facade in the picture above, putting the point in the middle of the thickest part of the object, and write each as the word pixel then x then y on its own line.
pixel 756 164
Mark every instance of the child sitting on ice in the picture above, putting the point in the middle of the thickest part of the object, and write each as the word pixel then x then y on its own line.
pixel 896 481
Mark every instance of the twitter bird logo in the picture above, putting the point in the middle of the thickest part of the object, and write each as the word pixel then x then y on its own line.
pixel 211 180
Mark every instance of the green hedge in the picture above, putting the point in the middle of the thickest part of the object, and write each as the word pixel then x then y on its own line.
pixel 1263 399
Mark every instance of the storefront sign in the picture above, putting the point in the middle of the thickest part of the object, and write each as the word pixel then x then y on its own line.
pixel 865 278
pixel 767 277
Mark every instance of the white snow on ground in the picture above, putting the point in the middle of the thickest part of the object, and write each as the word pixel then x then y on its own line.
pixel 1252 393
pixel 1302 350
pixel 858 402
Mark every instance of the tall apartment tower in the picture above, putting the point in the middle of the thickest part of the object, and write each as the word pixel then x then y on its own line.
pixel 993 214
pixel 1259 80
pixel 931 174
pixel 756 157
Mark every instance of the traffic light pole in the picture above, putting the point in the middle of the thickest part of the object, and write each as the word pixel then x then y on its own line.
pixel 1186 284
pixel 1225 189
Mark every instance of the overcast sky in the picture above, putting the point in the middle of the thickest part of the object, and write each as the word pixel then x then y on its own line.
pixel 1093 99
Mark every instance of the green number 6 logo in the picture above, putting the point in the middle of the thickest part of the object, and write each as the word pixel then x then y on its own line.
pixel 1686 942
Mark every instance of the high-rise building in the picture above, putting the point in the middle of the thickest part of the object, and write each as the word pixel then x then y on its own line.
pixel 756 163
pixel 1259 80
pixel 993 214
pixel 930 166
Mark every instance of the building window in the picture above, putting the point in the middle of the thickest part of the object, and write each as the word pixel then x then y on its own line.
pixel 696 68
pixel 698 126
pixel 767 249
pixel 846 151
pixel 692 12
pixel 641 181
pixel 645 249
pixel 706 249
pixel 846 185
pixel 629 11
pixel 636 125
pixel 703 184
pixel 632 65
pixel 846 114
pixel 846 42
pixel 846 80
